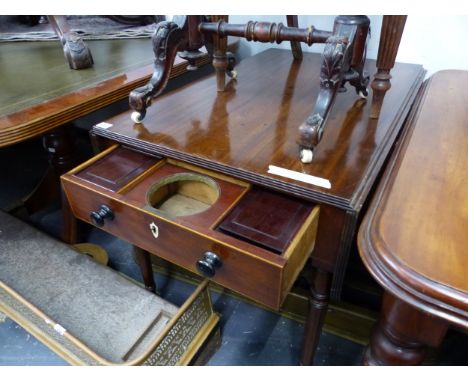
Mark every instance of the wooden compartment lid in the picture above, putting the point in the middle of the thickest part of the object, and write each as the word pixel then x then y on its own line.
pixel 267 219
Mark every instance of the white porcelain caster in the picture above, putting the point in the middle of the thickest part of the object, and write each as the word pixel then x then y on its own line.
pixel 362 95
pixel 136 117
pixel 306 155
pixel 232 74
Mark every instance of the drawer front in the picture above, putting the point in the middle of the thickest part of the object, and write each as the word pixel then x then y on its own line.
pixel 243 272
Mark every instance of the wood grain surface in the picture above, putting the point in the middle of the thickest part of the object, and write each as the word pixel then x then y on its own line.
pixel 253 124
pixel 414 238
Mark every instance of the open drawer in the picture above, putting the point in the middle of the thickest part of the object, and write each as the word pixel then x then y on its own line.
pixel 248 239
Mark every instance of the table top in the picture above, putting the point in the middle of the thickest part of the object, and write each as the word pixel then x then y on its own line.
pixel 414 237
pixel 254 124
pixel 40 92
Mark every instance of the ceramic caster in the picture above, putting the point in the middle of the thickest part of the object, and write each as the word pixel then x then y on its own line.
pixel 363 94
pixel 306 155
pixel 137 117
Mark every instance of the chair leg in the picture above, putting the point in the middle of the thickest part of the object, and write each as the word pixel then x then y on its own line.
pixel 390 38
pixel 75 50
pixel 295 45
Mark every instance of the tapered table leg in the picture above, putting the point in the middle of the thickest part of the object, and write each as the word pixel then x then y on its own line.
pixel 143 259
pixel 318 304
pixel 70 223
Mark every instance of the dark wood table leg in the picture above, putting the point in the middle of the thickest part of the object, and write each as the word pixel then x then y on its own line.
pixel 143 259
pixel 321 267
pixel 403 334
pixel 318 304
pixel 390 37
pixel 59 146
pixel 70 222
pixel 295 45
pixel 220 58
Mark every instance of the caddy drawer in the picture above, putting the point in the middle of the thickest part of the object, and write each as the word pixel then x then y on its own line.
pixel 248 239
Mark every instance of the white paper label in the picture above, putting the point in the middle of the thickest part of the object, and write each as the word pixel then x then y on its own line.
pixel 104 125
pixel 306 178
pixel 60 329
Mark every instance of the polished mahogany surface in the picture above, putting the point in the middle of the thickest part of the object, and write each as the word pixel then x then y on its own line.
pixel 414 237
pixel 253 124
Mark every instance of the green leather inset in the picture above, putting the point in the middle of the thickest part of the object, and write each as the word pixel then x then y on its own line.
pixel 35 72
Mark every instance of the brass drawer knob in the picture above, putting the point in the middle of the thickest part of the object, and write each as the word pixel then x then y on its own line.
pixel 98 217
pixel 208 264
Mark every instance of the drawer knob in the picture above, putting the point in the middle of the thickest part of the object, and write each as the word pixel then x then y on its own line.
pixel 208 264
pixel 98 217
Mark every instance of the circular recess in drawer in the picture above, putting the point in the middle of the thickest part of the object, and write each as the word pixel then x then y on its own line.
pixel 182 194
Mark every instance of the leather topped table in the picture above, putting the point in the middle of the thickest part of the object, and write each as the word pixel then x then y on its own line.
pixel 40 95
pixel 414 240
pixel 40 92
pixel 252 126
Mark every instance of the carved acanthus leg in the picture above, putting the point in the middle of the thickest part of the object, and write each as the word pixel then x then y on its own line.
pixel 342 60
pixel 331 75
pixel 76 51
pixel 402 335
pixel 318 304
pixel 295 45
pixel 390 38
pixel 143 260
pixel 167 38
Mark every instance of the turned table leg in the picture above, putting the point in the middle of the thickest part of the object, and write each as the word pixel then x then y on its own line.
pixel 220 58
pixel 390 37
pixel 59 147
pixel 403 334
pixel 143 259
pixel 318 304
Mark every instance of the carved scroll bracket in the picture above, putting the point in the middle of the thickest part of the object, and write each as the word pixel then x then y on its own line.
pixel 167 39
pixel 342 61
